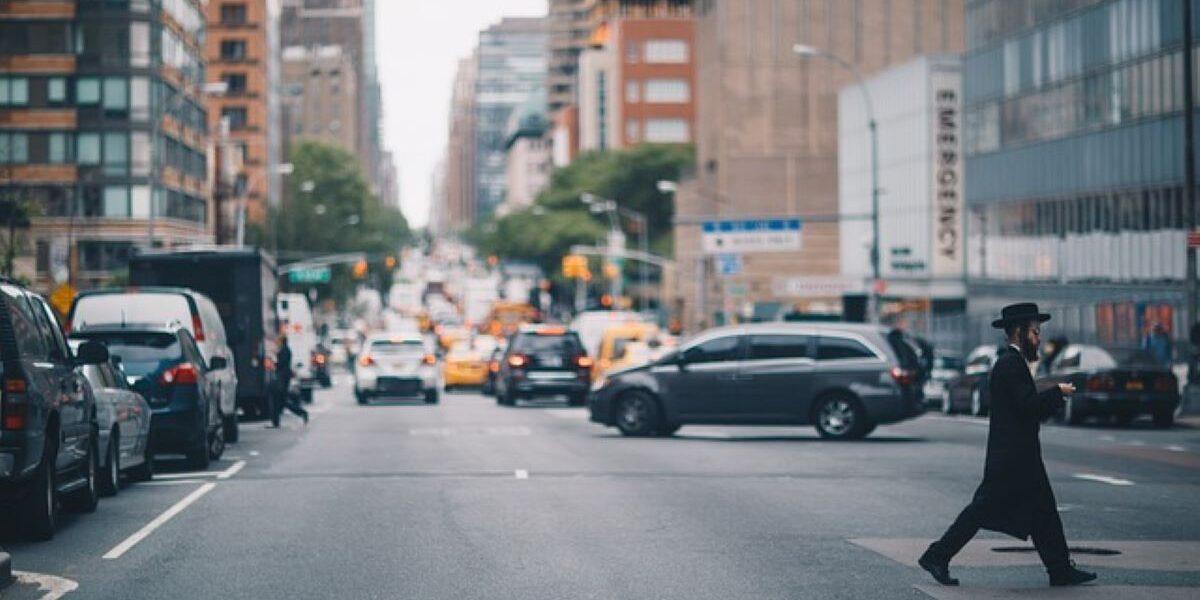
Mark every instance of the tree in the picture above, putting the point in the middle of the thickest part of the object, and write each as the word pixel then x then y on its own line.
pixel 14 215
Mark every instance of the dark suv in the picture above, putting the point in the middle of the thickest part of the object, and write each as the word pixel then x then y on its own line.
pixel 48 433
pixel 166 367
pixel 543 361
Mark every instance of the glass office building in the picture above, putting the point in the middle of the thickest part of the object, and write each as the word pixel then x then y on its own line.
pixel 1074 143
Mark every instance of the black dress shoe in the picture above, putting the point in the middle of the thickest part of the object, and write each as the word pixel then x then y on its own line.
pixel 939 570
pixel 1069 575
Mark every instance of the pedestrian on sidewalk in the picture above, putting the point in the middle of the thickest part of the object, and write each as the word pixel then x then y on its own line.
pixel 283 398
pixel 1015 497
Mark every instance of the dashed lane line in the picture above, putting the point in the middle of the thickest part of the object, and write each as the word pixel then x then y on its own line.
pixel 231 471
pixel 521 474
pixel 1103 479
pixel 120 549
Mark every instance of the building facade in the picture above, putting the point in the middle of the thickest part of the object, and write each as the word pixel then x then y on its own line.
pixel 1074 164
pixel 458 197
pixel 568 31
pixel 103 133
pixel 242 48
pixel 767 141
pixel 918 109
pixel 512 65
pixel 529 155
pixel 320 96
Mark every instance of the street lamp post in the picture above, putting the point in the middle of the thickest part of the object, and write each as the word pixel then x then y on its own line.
pixel 599 205
pixel 804 50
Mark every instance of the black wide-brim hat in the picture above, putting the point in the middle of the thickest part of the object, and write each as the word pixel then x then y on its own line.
pixel 1021 311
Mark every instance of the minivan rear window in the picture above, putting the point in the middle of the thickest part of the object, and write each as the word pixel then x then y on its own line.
pixel 831 348
pixel 116 309
pixel 529 343
pixel 140 353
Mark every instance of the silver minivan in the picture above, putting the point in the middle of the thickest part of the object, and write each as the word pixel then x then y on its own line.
pixel 843 378
pixel 190 309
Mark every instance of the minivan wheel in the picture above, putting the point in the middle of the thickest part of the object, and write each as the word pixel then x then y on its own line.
pixel 144 471
pixel 216 443
pixel 40 518
pixel 637 414
pixel 841 417
pixel 86 498
pixel 230 424
pixel 198 458
pixel 110 478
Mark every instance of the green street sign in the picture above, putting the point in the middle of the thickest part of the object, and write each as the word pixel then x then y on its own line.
pixel 314 275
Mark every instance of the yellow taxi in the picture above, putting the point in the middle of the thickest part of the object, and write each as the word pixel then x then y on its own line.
pixel 615 341
pixel 466 363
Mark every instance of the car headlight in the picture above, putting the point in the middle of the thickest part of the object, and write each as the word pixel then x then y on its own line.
pixel 599 383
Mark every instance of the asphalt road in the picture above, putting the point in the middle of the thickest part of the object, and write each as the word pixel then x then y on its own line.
pixel 467 499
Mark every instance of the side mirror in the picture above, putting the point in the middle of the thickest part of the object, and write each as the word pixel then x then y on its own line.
pixel 91 353
pixel 217 363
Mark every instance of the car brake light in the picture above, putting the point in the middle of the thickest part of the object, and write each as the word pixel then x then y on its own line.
pixel 517 361
pixel 318 359
pixel 367 360
pixel 197 328
pixel 584 362
pixel 180 374
pixel 14 404
pixel 430 359
pixel 1100 383
pixel 902 376
pixel 494 366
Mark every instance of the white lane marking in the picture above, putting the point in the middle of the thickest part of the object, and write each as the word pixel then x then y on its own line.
pixel 952 419
pixel 254 453
pixel 570 414
pixel 231 471
pixel 144 532
pixel 1107 438
pixel 1176 448
pixel 170 482
pixel 53 587
pixel 1103 479
pixel 188 475
pixel 1135 443
pixel 521 474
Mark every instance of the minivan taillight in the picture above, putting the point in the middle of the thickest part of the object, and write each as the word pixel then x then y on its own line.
pixel 517 361
pixel 180 374
pixel 197 328
pixel 14 404
pixel 902 376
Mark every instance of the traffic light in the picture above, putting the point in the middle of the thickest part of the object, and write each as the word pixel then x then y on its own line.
pixel 574 265
pixel 360 269
pixel 390 262
pixel 611 270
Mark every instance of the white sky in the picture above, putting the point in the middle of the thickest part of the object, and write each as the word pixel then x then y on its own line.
pixel 419 43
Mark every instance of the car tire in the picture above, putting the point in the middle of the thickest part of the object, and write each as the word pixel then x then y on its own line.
pixel 39 517
pixel 86 498
pixel 216 443
pixel 668 429
pixel 198 458
pixel 507 398
pixel 978 408
pixel 1164 419
pixel 577 399
pixel 110 475
pixel 947 403
pixel 431 396
pixel 637 414
pixel 230 424
pixel 1123 419
pixel 840 417
pixel 360 396
pixel 144 471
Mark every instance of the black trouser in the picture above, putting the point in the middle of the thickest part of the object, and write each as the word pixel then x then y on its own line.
pixel 1047 535
pixel 282 399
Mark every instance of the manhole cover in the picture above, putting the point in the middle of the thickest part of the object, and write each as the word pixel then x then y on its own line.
pixel 1073 549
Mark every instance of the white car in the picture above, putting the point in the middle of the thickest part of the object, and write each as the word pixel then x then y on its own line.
pixel 397 366
pixel 296 320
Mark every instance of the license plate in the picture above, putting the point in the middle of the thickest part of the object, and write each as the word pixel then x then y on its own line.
pixel 556 375
pixel 1135 386
pixel 552 361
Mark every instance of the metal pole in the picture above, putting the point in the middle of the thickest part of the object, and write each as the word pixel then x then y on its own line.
pixel 875 299
pixel 1189 161
pixel 644 226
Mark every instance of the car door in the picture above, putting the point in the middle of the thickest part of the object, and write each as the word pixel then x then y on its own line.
pixel 775 380
pixel 209 385
pixel 701 385
pixel 135 435
pixel 218 346
pixel 34 349
pixel 76 412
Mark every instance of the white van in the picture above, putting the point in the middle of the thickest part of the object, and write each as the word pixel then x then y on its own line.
pixel 296 320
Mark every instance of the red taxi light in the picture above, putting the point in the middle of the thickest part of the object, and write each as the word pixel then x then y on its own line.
pixel 13 406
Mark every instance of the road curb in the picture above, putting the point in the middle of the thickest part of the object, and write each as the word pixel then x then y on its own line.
pixel 5 569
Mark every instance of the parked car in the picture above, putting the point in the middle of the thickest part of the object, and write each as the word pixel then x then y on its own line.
pixel 296 319
pixel 123 417
pixel 944 369
pixel 164 364
pixel 189 309
pixel 400 366
pixel 1122 389
pixel 242 283
pixel 968 392
pixel 544 360
pixel 49 436
pixel 843 378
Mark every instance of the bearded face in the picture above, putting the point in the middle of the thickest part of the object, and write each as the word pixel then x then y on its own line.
pixel 1029 338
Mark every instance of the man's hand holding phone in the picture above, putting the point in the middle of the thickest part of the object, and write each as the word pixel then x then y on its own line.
pixel 1066 388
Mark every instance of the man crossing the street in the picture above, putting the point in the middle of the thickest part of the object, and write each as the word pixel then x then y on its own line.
pixel 282 398
pixel 1015 497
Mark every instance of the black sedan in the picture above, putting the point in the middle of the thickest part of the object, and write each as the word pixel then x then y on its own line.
pixel 1120 387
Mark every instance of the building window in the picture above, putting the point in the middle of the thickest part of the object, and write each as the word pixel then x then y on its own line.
pixel 87 149
pixel 14 148
pixel 58 150
pixel 139 44
pixel 632 53
pixel 139 98
pixel 233 50
pixel 668 91
pixel 139 142
pixel 116 94
pixel 116 201
pixel 87 91
pixel 56 90
pixel 104 256
pixel 233 14
pixel 236 116
pixel 633 91
pixel 633 130
pixel 14 91
pixel 666 51
pixel 116 153
pixel 667 131
pixel 235 83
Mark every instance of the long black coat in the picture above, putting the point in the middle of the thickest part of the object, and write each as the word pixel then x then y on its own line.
pixel 1015 486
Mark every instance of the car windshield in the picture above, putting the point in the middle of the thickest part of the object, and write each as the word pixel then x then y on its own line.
pixel 119 309
pixel 547 344
pixel 140 354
